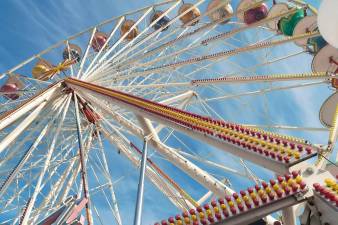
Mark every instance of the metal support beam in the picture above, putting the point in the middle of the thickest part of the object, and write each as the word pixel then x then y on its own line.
pixel 140 189
pixel 201 176
pixel 82 162
pixel 167 190
pixel 204 178
pixel 267 162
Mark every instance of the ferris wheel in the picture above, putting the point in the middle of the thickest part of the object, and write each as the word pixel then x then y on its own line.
pixel 176 106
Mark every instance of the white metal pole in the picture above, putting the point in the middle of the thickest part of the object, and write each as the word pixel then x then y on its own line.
pixel 86 53
pixel 140 189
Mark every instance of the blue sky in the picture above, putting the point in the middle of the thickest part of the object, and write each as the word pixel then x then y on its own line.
pixel 29 26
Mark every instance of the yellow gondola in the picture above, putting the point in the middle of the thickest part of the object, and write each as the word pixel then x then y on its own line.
pixel 40 69
pixel 125 28
pixel 192 14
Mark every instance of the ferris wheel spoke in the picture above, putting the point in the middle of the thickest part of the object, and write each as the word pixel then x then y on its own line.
pixel 183 36
pixel 218 37
pixel 173 21
pixel 228 34
pixel 105 74
pixel 263 91
pixel 141 84
pixel 86 53
pixel 141 54
pixel 53 173
pixel 21 127
pixel 192 45
pixel 251 175
pixel 121 19
pixel 30 182
pixel 288 127
pixel 69 184
pixel 101 61
pixel 19 145
pixel 97 56
pixel 72 180
pixel 31 203
pixel 265 78
pixel 152 43
pixel 105 64
pixel 123 52
pixel 69 57
pixel 206 108
pixel 34 114
pixel 215 165
pixel 98 215
pixel 101 187
pixel 54 192
pixel 220 55
pixel 9 117
pixel 111 188
pixel 241 68
pixel 146 79
pixel 191 83
pixel 115 213
pixel 23 160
